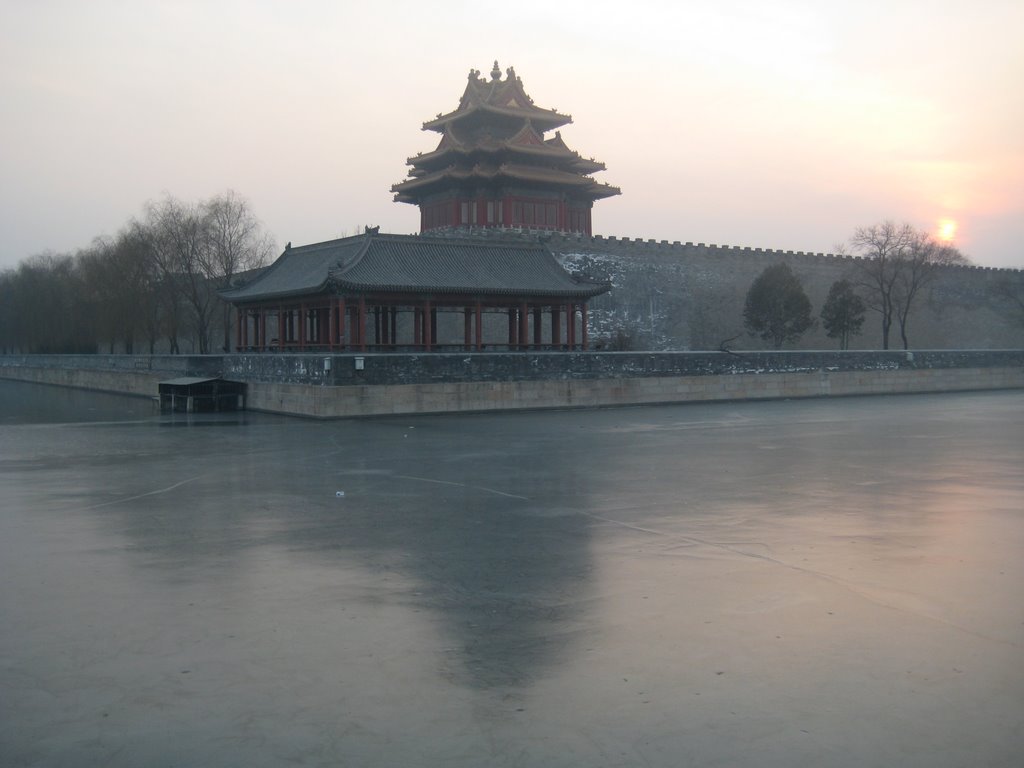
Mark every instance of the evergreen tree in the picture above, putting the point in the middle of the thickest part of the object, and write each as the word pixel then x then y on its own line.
pixel 777 309
pixel 843 313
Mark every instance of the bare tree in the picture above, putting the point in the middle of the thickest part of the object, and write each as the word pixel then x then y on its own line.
pixel 100 284
pixel 198 249
pixel 142 275
pixel 8 318
pixel 922 263
pixel 179 244
pixel 119 276
pixel 899 262
pixel 48 307
pixel 884 246
pixel 237 243
pixel 157 276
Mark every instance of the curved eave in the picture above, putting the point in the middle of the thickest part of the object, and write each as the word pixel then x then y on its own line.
pixel 546 176
pixel 587 166
pixel 323 288
pixel 444 157
pixel 601 191
pixel 582 292
pixel 540 117
pixel 534 176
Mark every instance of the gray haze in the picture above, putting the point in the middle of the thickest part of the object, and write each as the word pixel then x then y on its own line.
pixel 775 125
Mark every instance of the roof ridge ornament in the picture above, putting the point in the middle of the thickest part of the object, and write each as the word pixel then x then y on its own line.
pixel 496 72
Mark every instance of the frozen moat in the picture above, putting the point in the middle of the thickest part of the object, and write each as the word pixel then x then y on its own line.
pixel 819 583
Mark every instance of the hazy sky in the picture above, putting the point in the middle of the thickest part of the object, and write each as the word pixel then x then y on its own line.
pixel 778 124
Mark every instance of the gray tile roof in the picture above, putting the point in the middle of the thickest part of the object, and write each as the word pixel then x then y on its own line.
pixel 298 271
pixel 410 264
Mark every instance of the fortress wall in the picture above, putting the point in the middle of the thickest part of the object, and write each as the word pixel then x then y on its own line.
pixel 691 295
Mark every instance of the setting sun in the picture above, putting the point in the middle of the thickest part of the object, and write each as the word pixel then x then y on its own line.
pixel 947 230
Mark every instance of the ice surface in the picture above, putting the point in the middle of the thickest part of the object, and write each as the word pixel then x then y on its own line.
pixel 826 583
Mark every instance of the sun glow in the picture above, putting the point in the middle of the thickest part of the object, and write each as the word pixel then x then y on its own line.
pixel 947 230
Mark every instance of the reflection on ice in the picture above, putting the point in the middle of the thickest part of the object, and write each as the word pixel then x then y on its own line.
pixel 826 583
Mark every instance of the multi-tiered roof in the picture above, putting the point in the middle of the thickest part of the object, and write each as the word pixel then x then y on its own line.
pixel 494 168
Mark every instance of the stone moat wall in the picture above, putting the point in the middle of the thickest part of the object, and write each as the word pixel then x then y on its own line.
pixel 333 386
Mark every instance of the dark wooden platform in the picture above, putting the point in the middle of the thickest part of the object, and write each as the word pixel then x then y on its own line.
pixel 193 394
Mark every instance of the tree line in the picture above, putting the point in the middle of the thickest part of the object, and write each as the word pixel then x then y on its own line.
pixel 898 263
pixel 155 281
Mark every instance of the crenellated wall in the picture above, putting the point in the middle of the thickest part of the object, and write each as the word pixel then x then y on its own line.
pixel 690 296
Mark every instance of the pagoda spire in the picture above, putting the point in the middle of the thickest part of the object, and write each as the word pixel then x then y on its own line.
pixel 493 167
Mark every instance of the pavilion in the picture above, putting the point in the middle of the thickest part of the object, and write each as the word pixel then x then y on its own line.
pixel 379 292
pixel 448 287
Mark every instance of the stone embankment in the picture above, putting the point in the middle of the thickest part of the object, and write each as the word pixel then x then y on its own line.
pixel 349 385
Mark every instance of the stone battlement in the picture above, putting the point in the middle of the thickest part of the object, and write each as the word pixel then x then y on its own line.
pixel 626 246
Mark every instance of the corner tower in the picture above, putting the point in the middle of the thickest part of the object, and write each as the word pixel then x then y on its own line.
pixel 494 168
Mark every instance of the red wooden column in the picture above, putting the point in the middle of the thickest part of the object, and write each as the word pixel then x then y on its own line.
pixel 280 328
pixel 467 334
pixel 341 323
pixel 570 326
pixel 394 326
pixel 479 327
pixel 538 327
pixel 362 323
pixel 556 326
pixel 331 305
pixel 513 328
pixel 583 325
pixel 238 329
pixel 302 325
pixel 417 326
pixel 524 325
pixel 428 326
pixel 263 329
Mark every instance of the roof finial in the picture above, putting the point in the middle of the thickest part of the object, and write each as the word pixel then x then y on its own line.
pixel 496 72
